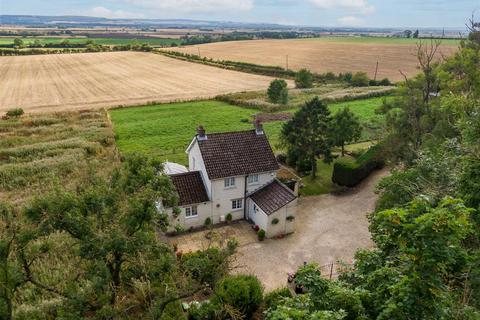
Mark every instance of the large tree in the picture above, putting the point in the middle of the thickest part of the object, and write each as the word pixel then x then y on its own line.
pixel 308 133
pixel 346 128
pixel 95 250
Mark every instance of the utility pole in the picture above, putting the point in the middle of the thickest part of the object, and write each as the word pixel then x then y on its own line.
pixel 376 71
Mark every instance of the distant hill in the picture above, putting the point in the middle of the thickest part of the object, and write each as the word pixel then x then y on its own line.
pixel 85 21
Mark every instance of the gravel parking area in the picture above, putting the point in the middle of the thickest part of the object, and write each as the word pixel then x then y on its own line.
pixel 328 228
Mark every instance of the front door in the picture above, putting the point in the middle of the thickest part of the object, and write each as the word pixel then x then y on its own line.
pixel 252 211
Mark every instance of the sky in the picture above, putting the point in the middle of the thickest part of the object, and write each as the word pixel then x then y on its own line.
pixel 347 13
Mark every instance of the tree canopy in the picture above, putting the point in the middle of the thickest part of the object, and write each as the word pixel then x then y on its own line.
pixel 308 133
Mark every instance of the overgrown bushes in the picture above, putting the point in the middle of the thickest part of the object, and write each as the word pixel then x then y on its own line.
pixel 304 79
pixel 17 112
pixel 349 173
pixel 236 297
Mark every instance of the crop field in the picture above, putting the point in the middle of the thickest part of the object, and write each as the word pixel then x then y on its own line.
pixel 39 152
pixel 166 130
pixel 92 80
pixel 102 41
pixel 338 55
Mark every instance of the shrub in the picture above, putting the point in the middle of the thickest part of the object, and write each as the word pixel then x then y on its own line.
pixel 360 79
pixel 347 77
pixel 179 228
pixel 330 76
pixel 278 92
pixel 275 221
pixel 261 234
pixel 242 292
pixel 229 217
pixel 385 82
pixel 207 266
pixel 350 173
pixel 203 311
pixel 17 112
pixel 282 158
pixel 304 79
pixel 208 222
pixel 275 297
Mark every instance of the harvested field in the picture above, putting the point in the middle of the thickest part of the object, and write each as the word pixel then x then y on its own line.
pixel 93 80
pixel 323 55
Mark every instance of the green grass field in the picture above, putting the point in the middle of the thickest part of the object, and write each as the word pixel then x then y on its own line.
pixel 377 40
pixel 101 41
pixel 165 131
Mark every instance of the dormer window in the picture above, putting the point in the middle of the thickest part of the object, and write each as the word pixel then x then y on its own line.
pixel 229 182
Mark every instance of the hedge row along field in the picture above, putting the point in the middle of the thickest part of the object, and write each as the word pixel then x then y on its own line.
pixel 101 41
pixel 39 152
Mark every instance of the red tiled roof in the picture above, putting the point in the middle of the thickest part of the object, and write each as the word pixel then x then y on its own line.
pixel 272 197
pixel 237 153
pixel 190 188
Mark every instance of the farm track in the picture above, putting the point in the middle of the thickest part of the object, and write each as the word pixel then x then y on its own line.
pixel 320 55
pixel 95 80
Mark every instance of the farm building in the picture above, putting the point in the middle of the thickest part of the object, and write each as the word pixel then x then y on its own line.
pixel 232 176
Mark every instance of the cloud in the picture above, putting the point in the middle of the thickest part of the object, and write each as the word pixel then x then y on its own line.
pixel 113 14
pixel 360 6
pixel 350 21
pixel 195 6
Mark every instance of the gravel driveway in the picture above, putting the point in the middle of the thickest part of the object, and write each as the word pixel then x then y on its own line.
pixel 328 228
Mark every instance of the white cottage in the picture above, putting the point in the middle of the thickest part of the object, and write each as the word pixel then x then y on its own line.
pixel 234 173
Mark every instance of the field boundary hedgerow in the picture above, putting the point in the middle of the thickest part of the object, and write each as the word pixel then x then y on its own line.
pixel 266 106
pixel 264 70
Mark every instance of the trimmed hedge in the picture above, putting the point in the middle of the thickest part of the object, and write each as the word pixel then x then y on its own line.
pixel 349 173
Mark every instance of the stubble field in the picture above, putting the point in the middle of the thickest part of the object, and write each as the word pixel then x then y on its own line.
pixel 93 80
pixel 325 54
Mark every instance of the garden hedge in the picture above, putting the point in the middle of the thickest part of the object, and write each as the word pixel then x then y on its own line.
pixel 349 173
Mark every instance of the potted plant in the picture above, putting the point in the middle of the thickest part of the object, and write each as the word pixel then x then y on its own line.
pixel 261 234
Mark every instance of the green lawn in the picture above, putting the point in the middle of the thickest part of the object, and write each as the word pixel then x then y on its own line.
pixel 101 41
pixel 322 183
pixel 377 40
pixel 166 130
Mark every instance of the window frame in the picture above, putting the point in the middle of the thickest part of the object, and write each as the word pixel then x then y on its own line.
pixel 191 212
pixel 237 204
pixel 229 182
pixel 255 179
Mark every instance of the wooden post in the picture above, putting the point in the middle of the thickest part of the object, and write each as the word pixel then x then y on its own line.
pixel 198 51
pixel 331 271
pixel 376 71
pixel 287 61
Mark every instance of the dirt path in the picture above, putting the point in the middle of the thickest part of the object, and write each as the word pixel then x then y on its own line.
pixel 328 228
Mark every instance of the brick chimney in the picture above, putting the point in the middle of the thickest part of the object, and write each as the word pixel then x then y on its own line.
pixel 201 133
pixel 258 127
